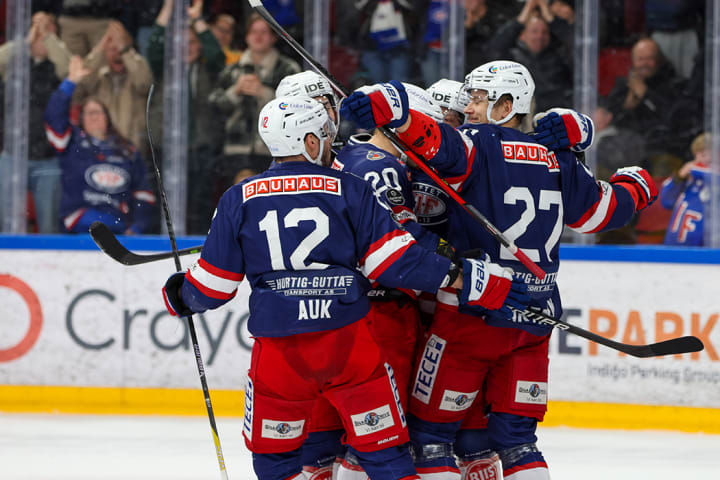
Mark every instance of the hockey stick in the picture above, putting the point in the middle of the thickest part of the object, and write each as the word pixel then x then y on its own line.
pixel 257 5
pixel 673 346
pixel 108 243
pixel 178 267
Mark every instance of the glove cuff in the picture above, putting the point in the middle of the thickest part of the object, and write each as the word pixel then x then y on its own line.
pixel 172 297
pixel 423 135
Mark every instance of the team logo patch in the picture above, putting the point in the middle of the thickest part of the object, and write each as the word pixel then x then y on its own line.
pixel 372 421
pixel 394 197
pixel 428 368
pixel 483 469
pixel 107 178
pixel 280 430
pixel 457 401
pixel 373 155
pixel 430 206
pixel 531 392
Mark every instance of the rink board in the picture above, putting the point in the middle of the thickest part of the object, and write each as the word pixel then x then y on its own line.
pixel 84 334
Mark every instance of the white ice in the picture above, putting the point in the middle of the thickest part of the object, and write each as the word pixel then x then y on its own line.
pixel 84 447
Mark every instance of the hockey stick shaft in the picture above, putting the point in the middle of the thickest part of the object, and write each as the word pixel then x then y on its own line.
pixel 178 267
pixel 111 246
pixel 673 346
pixel 419 161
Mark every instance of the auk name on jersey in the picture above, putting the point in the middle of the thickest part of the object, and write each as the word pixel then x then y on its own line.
pixel 291 185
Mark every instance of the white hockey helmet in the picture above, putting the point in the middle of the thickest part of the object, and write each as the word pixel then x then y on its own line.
pixel 421 101
pixel 502 77
pixel 284 123
pixel 308 83
pixel 449 94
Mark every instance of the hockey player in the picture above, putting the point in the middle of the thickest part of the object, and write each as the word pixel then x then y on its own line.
pixel 452 99
pixel 473 355
pixel 394 313
pixel 309 239
pixel 322 451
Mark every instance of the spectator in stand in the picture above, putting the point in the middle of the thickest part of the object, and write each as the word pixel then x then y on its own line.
pixel 244 87
pixel 686 193
pixel 139 18
pixel 103 175
pixel 616 147
pixel 433 50
pixel 676 26
pixel 383 31
pixel 223 27
pixel 564 9
pixel 120 78
pixel 49 59
pixel 482 19
pixel 643 101
pixel 83 23
pixel 543 43
pixel 206 60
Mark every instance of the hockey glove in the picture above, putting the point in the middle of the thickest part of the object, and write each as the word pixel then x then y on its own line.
pixel 561 128
pixel 639 183
pixel 382 104
pixel 171 294
pixel 489 286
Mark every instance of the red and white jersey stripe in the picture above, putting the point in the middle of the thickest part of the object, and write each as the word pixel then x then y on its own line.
pixel 59 141
pixel 384 252
pixel 212 281
pixel 597 216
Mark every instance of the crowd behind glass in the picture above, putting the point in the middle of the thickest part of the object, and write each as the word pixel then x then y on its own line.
pixel 91 64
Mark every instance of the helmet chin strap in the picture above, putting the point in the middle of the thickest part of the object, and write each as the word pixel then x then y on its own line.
pixel 318 160
pixel 505 119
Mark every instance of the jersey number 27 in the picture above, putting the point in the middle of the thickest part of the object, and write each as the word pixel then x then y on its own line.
pixel 512 196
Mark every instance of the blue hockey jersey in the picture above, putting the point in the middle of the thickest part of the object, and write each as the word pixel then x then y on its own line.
pixel 687 199
pixel 309 239
pixel 390 178
pixel 529 194
pixel 106 176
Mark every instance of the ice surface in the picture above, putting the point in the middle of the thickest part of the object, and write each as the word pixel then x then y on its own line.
pixel 84 447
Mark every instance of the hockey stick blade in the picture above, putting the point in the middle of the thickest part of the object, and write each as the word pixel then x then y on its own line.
pixel 111 246
pixel 673 346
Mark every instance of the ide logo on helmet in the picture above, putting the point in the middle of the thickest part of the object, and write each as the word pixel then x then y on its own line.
pixel 36 318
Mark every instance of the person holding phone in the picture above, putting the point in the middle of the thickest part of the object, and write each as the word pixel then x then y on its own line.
pixel 244 87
